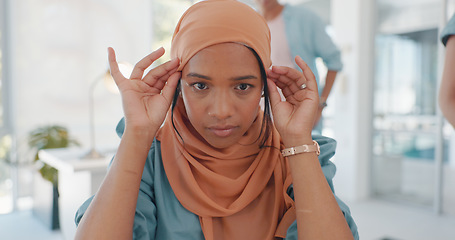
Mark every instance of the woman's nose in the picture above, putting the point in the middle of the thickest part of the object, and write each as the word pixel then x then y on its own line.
pixel 221 105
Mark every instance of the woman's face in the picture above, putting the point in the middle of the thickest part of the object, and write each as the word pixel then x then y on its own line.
pixel 221 88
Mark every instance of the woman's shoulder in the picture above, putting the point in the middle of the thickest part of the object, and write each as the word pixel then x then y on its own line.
pixel 448 30
pixel 327 146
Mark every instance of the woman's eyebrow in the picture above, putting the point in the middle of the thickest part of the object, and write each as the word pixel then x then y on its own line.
pixel 246 77
pixel 197 75
pixel 239 78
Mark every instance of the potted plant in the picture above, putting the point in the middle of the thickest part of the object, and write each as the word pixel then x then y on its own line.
pixel 46 137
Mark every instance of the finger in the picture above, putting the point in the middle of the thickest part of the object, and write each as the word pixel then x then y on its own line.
pixel 290 73
pixel 271 74
pixel 279 83
pixel 275 97
pixel 309 76
pixel 113 66
pixel 288 86
pixel 160 83
pixel 275 77
pixel 161 72
pixel 287 93
pixel 169 89
pixel 144 63
pixel 311 91
pixel 290 77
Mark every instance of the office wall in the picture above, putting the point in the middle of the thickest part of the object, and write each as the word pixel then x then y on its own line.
pixel 58 49
pixel 353 23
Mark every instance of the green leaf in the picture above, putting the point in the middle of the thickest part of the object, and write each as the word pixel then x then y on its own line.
pixel 52 136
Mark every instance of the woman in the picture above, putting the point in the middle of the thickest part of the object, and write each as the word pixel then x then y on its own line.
pixel 218 168
pixel 447 88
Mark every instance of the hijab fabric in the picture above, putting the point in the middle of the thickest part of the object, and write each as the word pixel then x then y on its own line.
pixel 238 192
pixel 210 22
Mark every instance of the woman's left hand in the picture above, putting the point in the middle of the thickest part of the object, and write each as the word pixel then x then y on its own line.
pixel 293 118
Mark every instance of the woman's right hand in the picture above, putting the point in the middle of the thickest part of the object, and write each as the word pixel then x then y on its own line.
pixel 146 99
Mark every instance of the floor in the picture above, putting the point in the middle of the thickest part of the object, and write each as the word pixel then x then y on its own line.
pixel 376 220
pixel 382 220
pixel 24 226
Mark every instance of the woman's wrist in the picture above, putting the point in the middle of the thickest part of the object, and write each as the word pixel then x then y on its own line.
pixel 141 133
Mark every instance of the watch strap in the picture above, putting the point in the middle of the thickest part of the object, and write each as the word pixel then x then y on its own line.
pixel 301 149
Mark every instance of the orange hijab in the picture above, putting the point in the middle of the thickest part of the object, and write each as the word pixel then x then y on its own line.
pixel 238 192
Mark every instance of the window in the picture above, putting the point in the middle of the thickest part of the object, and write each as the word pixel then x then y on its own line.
pixel 166 14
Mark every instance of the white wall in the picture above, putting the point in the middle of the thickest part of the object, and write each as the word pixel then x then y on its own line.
pixel 58 49
pixel 353 25
pixel 409 17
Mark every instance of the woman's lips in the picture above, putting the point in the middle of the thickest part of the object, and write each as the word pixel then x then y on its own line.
pixel 222 131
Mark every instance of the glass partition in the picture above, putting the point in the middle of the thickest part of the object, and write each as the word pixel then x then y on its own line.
pixel 405 115
pixel 406 121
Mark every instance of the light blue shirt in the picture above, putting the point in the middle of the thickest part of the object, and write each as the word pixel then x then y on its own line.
pixel 159 214
pixel 308 38
pixel 448 30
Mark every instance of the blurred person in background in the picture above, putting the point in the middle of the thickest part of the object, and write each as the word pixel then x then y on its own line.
pixel 297 31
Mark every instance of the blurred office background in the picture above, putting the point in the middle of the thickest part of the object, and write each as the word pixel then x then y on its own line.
pixel 395 155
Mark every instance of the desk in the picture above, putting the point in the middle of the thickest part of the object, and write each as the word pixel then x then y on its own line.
pixel 78 179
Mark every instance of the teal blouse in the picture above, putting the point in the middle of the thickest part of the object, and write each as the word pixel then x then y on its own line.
pixel 308 38
pixel 159 214
pixel 448 30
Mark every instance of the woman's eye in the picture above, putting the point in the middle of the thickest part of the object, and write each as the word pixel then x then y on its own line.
pixel 243 86
pixel 199 86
